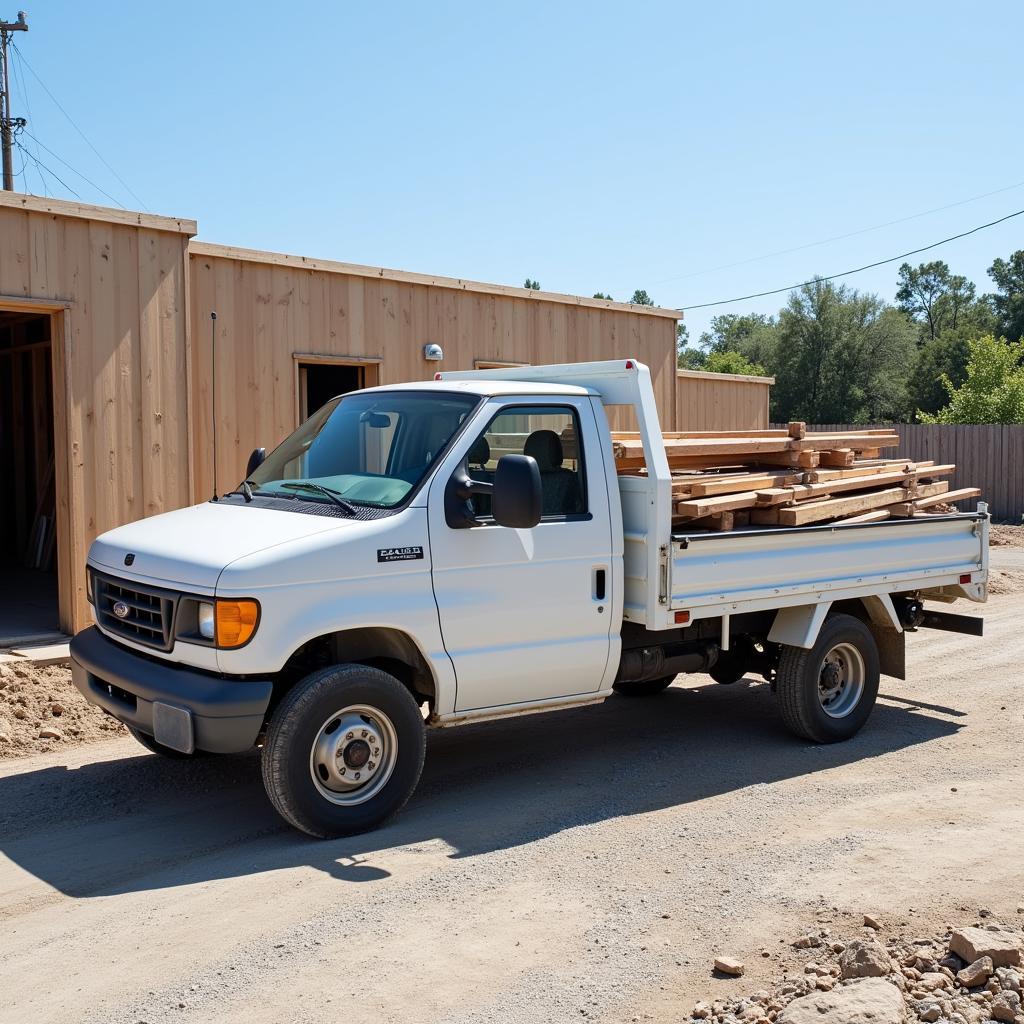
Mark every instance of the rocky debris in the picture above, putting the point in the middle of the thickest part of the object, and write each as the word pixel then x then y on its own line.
pixel 864 958
pixel 729 965
pixel 931 978
pixel 1002 947
pixel 976 973
pixel 871 922
pixel 866 1001
pixel 1005 1006
pixel 35 699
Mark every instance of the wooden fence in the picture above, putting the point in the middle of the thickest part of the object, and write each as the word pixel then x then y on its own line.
pixel 988 455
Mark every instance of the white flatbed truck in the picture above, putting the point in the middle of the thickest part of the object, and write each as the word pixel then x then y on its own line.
pixel 423 555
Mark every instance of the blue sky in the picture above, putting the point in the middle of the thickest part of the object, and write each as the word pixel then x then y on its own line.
pixel 591 146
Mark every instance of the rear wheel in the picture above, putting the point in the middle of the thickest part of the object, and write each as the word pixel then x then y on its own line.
pixel 826 693
pixel 344 751
pixel 644 687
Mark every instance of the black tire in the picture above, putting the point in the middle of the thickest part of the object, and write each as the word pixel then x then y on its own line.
pixel 808 681
pixel 158 748
pixel 302 727
pixel 644 687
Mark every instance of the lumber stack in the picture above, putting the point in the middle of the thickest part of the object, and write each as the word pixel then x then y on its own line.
pixel 722 480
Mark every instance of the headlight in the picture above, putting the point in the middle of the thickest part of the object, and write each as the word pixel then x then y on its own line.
pixel 206 624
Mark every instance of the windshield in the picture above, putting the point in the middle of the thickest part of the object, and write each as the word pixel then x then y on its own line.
pixel 365 448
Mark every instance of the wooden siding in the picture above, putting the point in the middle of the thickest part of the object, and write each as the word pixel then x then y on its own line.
pixel 115 287
pixel 989 456
pixel 268 311
pixel 721 401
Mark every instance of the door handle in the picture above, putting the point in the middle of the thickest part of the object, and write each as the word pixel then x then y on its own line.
pixel 600 583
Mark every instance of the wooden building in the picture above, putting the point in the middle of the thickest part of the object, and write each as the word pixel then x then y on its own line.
pixel 106 369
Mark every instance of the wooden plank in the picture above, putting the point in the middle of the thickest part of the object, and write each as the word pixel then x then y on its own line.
pixel 670 435
pixel 817 476
pixel 941 497
pixel 837 457
pixel 801 515
pixel 734 483
pixel 706 446
pixel 858 442
pixel 696 507
pixel 874 516
pixel 796 428
pixel 799 492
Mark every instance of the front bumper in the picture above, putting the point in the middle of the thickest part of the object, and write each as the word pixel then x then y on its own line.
pixel 224 715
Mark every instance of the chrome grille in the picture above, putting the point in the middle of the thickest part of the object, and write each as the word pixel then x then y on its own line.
pixel 147 612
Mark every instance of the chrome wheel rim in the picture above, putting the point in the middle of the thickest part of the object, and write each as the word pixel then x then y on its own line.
pixel 353 755
pixel 841 680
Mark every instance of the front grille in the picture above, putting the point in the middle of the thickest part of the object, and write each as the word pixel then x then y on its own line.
pixel 149 611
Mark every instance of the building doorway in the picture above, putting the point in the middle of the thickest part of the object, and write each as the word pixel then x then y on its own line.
pixel 321 378
pixel 28 513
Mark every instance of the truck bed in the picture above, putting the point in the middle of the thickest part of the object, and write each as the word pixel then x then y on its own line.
pixel 717 573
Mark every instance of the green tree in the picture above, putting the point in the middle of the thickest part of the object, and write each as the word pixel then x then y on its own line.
pixel 753 335
pixel 532 285
pixel 687 357
pixel 732 362
pixel 842 357
pixel 940 301
pixel 1008 301
pixel 993 391
pixel 602 295
pixel 641 298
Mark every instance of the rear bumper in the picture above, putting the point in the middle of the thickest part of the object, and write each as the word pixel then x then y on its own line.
pixel 226 714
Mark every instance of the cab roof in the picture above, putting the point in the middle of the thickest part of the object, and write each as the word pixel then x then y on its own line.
pixel 487 388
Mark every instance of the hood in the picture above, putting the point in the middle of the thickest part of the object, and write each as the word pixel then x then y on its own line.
pixel 192 546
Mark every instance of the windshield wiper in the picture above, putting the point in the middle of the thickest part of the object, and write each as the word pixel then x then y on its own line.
pixel 244 489
pixel 335 496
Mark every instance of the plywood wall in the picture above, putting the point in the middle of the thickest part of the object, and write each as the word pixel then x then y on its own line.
pixel 115 285
pixel 717 401
pixel 267 312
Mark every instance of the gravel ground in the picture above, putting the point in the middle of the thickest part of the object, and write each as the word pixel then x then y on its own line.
pixel 40 710
pixel 586 864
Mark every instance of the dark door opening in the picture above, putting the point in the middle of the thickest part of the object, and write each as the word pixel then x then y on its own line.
pixel 320 382
pixel 28 527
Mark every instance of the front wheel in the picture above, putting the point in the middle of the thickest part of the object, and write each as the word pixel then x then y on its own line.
pixel 826 693
pixel 344 751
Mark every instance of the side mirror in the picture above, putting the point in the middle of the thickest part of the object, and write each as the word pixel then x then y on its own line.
pixel 255 461
pixel 516 501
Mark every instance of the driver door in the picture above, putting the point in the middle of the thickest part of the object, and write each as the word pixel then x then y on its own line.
pixel 525 614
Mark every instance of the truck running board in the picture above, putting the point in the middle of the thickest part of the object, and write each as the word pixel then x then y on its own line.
pixel 969 624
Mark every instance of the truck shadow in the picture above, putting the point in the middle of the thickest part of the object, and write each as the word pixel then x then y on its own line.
pixel 141 823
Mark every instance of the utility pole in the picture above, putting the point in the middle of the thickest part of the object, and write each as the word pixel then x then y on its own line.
pixel 7 123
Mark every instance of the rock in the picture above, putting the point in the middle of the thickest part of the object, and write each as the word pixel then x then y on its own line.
pixel 1009 979
pixel 701 1011
pixel 976 973
pixel 837 947
pixel 807 942
pixel 871 922
pixel 932 980
pixel 864 959
pixel 1005 1006
pixel 50 732
pixel 729 965
pixel 973 943
pixel 870 1001
pixel 20 713
pixel 929 1011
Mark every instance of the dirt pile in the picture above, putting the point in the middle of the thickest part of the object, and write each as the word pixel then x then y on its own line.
pixel 967 975
pixel 40 710
pixel 1002 536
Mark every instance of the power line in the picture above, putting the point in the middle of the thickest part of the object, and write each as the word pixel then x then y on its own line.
pixel 839 238
pixel 857 270
pixel 71 121
pixel 75 170
pixel 40 166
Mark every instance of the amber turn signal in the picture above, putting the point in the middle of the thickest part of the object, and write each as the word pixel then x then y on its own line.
pixel 235 622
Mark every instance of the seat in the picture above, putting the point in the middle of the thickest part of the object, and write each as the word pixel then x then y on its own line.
pixel 561 494
pixel 477 459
